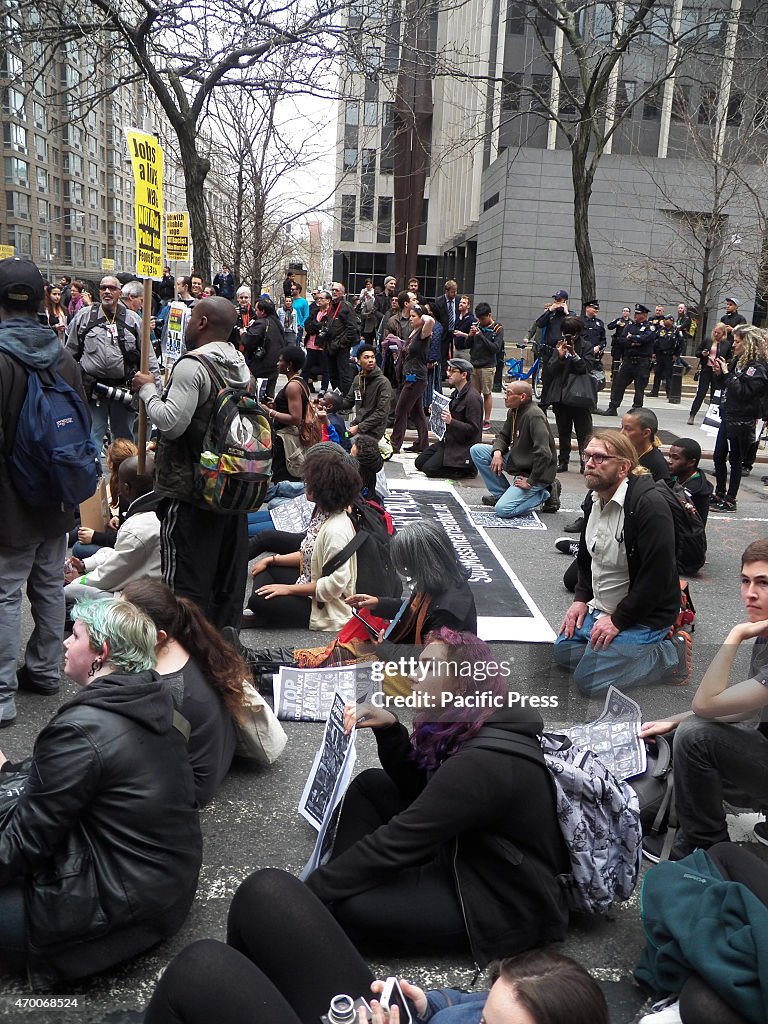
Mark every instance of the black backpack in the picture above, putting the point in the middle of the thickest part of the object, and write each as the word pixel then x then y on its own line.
pixel 690 535
pixel 375 572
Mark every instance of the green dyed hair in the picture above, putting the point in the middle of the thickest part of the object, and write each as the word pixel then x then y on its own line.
pixel 128 631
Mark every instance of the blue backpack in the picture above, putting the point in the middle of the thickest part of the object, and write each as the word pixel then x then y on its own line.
pixel 53 462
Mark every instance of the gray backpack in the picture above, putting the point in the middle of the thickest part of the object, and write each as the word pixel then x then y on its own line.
pixel 599 817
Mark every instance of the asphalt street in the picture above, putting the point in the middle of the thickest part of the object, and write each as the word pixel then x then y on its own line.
pixel 253 821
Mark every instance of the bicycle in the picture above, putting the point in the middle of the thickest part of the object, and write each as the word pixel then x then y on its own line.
pixel 515 371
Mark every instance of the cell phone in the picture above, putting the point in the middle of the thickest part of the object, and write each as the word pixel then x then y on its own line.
pixel 392 995
pixel 372 631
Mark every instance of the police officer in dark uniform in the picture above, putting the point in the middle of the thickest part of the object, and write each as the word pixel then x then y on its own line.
pixel 618 328
pixel 593 336
pixel 635 364
pixel 658 317
pixel 666 348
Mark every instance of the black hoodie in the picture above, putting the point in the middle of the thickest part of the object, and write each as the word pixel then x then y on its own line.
pixel 490 824
pixel 105 838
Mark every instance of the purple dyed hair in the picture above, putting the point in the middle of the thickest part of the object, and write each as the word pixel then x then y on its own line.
pixel 436 737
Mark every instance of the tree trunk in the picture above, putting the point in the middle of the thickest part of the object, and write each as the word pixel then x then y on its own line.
pixel 237 234
pixel 583 177
pixel 196 170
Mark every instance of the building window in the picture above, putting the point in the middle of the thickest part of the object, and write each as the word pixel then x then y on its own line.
pixel 387 157
pixel 510 92
pixel 733 117
pixel 348 218
pixel 392 46
pixel 367 183
pixel 352 112
pixel 350 159
pixel 652 104
pixel 570 92
pixel 93 223
pixel 384 220
pixel 42 179
pixel 542 87
pixel 681 102
pixel 11 65
pixel 707 105
pixel 370 114
pixel 15 136
pixel 424 219
pixel 44 246
pixel 16 172
pixel 659 31
pixel 603 23
pixel 13 104
pixel 625 94
pixel 17 204
pixel 43 210
pixel 516 19
pixel 93 254
pixel 491 201
pixel 544 24
pixel 21 239
pixel 372 59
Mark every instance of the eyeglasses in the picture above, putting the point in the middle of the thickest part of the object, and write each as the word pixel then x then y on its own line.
pixel 598 457
pixel 109 287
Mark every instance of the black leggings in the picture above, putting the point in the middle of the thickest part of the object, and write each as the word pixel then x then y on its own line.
pixel 417 910
pixel 277 542
pixel 291 611
pixel 568 418
pixel 707 382
pixel 285 958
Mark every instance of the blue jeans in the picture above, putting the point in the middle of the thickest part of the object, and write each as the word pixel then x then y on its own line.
pixel 636 657
pixel 122 419
pixel 512 501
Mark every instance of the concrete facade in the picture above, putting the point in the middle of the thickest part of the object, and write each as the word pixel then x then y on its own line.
pixel 525 241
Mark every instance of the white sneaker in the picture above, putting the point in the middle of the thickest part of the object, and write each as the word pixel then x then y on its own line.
pixel 668 1013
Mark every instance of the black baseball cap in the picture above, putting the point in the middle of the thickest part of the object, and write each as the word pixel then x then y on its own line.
pixel 640 308
pixel 561 293
pixel 21 283
pixel 592 302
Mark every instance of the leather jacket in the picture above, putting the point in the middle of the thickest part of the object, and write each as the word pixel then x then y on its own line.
pixel 105 839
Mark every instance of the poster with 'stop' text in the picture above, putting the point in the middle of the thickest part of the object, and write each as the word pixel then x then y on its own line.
pixel 147 163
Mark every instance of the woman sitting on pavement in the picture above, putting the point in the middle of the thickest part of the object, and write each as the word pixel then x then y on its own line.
pixel 100 858
pixel 205 677
pixel 291 588
pixel 440 594
pixel 448 848
pixel 275 923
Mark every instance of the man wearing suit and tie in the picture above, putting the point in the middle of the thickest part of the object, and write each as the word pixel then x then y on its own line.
pixel 447 313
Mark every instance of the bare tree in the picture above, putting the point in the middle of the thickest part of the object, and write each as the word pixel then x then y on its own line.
pixel 261 152
pixel 713 208
pixel 583 45
pixel 185 53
